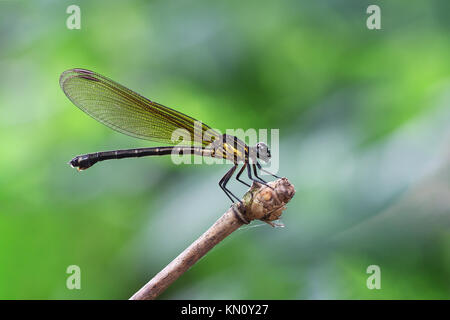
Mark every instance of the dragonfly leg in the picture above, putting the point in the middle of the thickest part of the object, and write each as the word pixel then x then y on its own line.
pixel 239 174
pixel 256 173
pixel 223 183
pixel 259 180
pixel 224 190
pixel 263 170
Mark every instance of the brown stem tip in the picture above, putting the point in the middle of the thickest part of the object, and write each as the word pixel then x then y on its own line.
pixel 266 203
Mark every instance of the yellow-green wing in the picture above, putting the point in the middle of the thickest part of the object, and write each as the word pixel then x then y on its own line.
pixel 128 112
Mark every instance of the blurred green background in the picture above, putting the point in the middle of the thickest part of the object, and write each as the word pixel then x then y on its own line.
pixel 364 137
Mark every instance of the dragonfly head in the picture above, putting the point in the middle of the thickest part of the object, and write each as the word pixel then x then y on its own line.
pixel 263 152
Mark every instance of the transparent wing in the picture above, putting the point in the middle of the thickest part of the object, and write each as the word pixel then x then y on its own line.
pixel 128 112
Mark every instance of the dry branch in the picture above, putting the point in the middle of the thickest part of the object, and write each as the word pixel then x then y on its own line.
pixel 260 202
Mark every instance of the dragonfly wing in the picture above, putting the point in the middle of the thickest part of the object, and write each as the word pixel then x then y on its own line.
pixel 130 113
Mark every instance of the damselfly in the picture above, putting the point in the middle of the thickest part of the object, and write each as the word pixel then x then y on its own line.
pixel 130 113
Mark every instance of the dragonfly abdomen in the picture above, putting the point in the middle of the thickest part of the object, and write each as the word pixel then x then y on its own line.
pixel 86 161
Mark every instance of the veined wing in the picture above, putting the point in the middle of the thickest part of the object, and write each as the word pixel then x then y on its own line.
pixel 128 112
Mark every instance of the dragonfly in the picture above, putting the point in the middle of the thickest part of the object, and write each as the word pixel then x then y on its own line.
pixel 130 113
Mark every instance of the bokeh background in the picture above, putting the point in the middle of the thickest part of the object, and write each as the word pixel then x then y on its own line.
pixel 364 136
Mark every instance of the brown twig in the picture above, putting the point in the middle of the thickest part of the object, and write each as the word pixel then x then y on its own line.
pixel 260 202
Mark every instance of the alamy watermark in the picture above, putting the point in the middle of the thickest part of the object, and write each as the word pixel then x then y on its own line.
pixel 217 148
pixel 374 280
pixel 74 280
pixel 74 20
pixel 373 22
